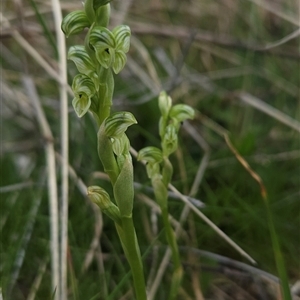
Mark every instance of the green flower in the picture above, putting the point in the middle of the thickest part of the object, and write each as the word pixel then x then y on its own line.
pixel 153 157
pixel 111 46
pixel 100 197
pixel 122 36
pixel 74 22
pixel 84 89
pixel 170 140
pixel 83 63
pixel 117 123
pixel 181 112
pixel 104 44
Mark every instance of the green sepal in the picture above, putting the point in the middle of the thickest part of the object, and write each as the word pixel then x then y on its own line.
pixel 120 61
pixel 181 112
pixel 150 155
pixel 123 188
pixel 74 22
pixel 164 104
pixel 83 63
pixel 170 140
pixel 101 198
pixel 84 89
pixel 104 44
pixel 117 123
pixel 153 157
pixel 122 35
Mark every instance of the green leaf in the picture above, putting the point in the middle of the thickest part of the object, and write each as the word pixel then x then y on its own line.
pixel 104 44
pixel 123 188
pixel 74 22
pixel 84 89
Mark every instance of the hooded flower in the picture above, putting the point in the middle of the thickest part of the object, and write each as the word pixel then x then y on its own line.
pixel 84 89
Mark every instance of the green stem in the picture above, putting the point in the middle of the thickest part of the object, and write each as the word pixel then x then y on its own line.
pixel 161 196
pixel 177 273
pixel 105 93
pixel 286 293
pixel 132 251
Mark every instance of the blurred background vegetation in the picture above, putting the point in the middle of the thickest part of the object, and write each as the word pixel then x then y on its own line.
pixel 237 64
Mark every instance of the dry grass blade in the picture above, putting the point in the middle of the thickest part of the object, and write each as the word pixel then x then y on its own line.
pixel 269 110
pixel 61 45
pixel 52 180
pixel 212 225
pixel 284 40
pixel 245 164
pixel 273 7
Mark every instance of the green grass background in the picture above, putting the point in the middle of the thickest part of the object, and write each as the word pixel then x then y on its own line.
pixel 204 53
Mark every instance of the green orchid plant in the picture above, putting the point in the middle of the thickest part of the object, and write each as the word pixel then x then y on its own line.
pixel 104 53
pixel 160 170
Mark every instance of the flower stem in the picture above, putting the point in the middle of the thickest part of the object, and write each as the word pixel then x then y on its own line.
pixel 132 251
pixel 177 273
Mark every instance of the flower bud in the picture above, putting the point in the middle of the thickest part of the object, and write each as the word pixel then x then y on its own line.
pixel 120 145
pixel 100 197
pixel 84 89
pixel 117 123
pixel 74 22
pixel 164 104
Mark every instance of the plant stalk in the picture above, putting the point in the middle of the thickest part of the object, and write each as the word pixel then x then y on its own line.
pixel 132 251
pixel 177 273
